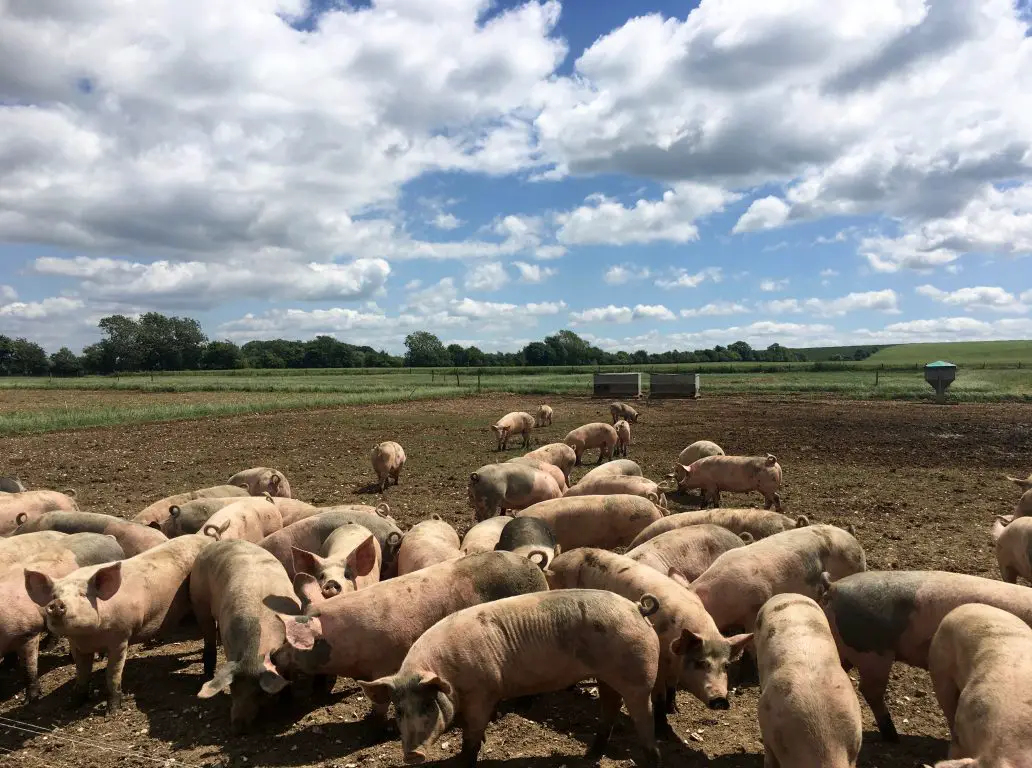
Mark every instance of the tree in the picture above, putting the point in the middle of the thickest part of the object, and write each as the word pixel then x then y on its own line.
pixel 539 353
pixel 424 350
pixel 640 357
pixel 121 348
pixel 222 356
pixel 457 355
pixel 30 359
pixel 743 350
pixel 65 363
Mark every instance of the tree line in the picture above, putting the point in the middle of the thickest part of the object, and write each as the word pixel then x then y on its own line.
pixel 156 342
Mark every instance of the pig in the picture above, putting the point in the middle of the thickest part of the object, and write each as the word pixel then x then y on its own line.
pixel 366 634
pixel 739 474
pixel 348 560
pixel 758 523
pixel 157 512
pixel 557 454
pixel 1024 484
pixel 623 411
pixel 880 617
pixel 1024 505
pixel 483 536
pixel 252 519
pixel 1013 542
pixel 741 580
pixel 240 589
pixel 262 480
pixel 20 619
pixel 693 453
pixel 292 510
pixel 508 486
pixel 13 484
pixel 311 533
pixel 529 536
pixel 544 416
pixel 190 516
pixel 808 712
pixel 108 607
pixel 134 538
pixel 980 661
pixel 15 549
pixel 464 665
pixel 388 460
pixel 19 508
pixel 515 423
pixel 687 551
pixel 614 467
pixel 601 485
pixel 693 653
pixel 549 469
pixel 623 437
pixel 428 543
pixel 606 522
pixel 596 435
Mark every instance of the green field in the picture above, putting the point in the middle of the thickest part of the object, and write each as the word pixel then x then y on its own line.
pixel 964 353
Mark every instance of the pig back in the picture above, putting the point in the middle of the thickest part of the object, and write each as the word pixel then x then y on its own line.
pixel 310 534
pixel 606 522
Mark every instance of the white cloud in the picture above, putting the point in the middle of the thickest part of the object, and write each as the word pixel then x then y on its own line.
pixel 981 297
pixel 486 277
pixel 614 314
pixel 40 310
pixel 7 294
pixel 765 213
pixel 770 285
pixel 447 221
pixel 948 329
pixel 782 306
pixel 681 278
pixel 716 309
pixel 829 273
pixel 546 252
pixel 621 274
pixel 413 285
pixel 533 273
pixel 654 311
pixel 876 301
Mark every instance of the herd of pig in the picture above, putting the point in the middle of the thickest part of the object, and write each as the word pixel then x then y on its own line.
pixel 553 584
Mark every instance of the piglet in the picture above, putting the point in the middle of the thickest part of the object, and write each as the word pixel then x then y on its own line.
pixel 687 551
pixel 529 537
pixel 515 423
pixel 428 543
pixel 262 480
pixel 134 538
pixel 252 519
pixel 595 435
pixel 623 411
pixel 558 454
pixel 595 521
pixel 507 486
pixel 483 536
pixel 348 560
pixel 464 665
pixel 623 437
pixel 738 474
pixel 388 460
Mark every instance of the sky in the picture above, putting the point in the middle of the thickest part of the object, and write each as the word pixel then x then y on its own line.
pixel 807 172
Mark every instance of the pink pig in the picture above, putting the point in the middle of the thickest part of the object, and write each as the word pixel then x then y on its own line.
pixel 738 474
pixel 686 551
pixel 388 460
pixel 427 543
pixel 595 435
pixel 515 423
pixel 19 508
pixel 506 486
pixel 606 522
pixel 262 480
pixel 557 454
pixel 348 560
pixel 252 519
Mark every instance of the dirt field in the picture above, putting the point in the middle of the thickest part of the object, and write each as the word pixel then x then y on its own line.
pixel 919 482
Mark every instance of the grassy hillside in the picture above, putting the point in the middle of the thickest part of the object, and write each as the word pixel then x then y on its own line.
pixel 821 354
pixel 963 353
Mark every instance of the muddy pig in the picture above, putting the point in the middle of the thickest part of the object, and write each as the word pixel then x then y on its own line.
pixel 108 607
pixel 20 619
pixel 623 411
pixel 252 519
pixel 464 665
pixel 1013 543
pixel 388 460
pixel 428 543
pixel 623 437
pixel 606 522
pixel 262 480
pixel 741 580
pixel 691 454
pixel 544 416
pixel 880 617
pixel 366 634
pixel 13 484
pixel 19 508
pixel 542 466
pixel 738 474
pixel 348 560
pixel 157 512
pixel 529 537
pixel 687 551
pixel 808 711
pixel 557 454
pixel 483 536
pixel 190 516
pixel 515 423
pixel 15 549
pixel 693 653
pixel 134 538
pixel 595 435
pixel 981 666
pixel 241 589
pixel 604 485
pixel 758 523
pixel 507 486
pixel 614 467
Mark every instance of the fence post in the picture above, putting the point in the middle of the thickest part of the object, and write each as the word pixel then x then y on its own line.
pixel 431 375
pixel 876 373
pixel 478 382
pixel 457 379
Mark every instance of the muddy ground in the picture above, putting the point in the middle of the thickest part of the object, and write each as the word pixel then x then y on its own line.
pixel 920 483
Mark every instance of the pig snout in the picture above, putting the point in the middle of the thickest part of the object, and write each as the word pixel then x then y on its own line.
pixel 332 588
pixel 415 757
pixel 56 609
pixel 718 702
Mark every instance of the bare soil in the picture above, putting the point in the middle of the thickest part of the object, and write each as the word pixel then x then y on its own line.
pixel 920 483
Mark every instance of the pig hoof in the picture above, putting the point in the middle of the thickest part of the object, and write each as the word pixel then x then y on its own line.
pixel 114 703
pixel 32 693
pixel 887 729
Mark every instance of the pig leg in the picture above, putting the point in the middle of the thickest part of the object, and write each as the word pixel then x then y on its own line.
pixel 83 670
pixel 476 716
pixel 874 674
pixel 29 656
pixel 769 760
pixel 661 727
pixel 115 666
pixel 948 695
pixel 610 701
pixel 526 439
pixel 638 704
pixel 1008 573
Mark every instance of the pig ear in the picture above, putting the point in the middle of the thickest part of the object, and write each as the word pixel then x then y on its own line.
pixel 679 578
pixel 431 680
pixel 270 680
pixel 307 589
pixel 301 631
pixel 363 559
pixel 738 645
pixel 378 691
pixel 39 586
pixel 221 682
pixel 687 643
pixel 305 561
pixel 105 582
pixel 496 428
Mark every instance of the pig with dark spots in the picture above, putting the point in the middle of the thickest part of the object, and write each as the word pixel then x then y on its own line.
pixel 741 580
pixel 623 411
pixel 686 551
pixel 758 523
pixel 502 487
pixel 606 522
pixel 191 516
pixel 366 634
pixel 483 536
pixel 543 466
pixel 1013 543
pixel 808 711
pixel 464 665
pixel 558 454
pixel 693 653
pixel 526 536
pixel 348 560
pixel 311 533
pixel 262 480
pixel 108 607
pixel 615 467
pixel 880 617
pixel 21 621
pixel 738 474
pixel 16 509
pixel 623 437
pixel 134 538
pixel 544 416
pixel 595 435
pixel 980 661
pixel 239 589
pixel 15 549
pixel 511 424
pixel 388 460
pixel 252 519
pixel 604 485
pixel 158 512
pixel 13 484
pixel 427 543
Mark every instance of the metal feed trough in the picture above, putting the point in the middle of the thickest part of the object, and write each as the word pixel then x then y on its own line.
pixel 617 385
pixel 940 375
pixel 674 385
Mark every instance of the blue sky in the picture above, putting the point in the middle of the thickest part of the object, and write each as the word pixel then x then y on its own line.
pixel 810 173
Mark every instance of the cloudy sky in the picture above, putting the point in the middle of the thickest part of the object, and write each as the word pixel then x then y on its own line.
pixel 806 171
